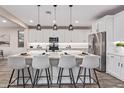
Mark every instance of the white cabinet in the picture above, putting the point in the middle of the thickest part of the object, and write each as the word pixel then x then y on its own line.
pixel 115 66
pixel 122 68
pixel 68 36
pixel 61 35
pixel 32 36
pixel 109 64
pixel 105 24
pixel 75 36
pixel 46 35
pixel 119 26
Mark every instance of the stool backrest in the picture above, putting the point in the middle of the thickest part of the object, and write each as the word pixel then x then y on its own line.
pixel 40 62
pixel 91 61
pixel 16 62
pixel 67 61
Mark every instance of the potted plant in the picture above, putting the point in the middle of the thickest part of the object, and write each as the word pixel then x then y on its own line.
pixel 120 47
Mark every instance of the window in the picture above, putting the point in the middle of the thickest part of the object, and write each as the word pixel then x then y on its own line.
pixel 20 38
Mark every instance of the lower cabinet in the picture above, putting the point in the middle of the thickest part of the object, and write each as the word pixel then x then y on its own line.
pixel 115 66
pixel 122 68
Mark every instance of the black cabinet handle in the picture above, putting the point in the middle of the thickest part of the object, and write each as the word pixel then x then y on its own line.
pixel 121 65
pixel 112 56
pixel 118 64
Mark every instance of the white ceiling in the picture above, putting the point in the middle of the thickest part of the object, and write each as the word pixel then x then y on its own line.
pixel 85 14
pixel 7 23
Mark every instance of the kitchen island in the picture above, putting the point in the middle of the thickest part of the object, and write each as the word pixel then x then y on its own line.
pixel 54 60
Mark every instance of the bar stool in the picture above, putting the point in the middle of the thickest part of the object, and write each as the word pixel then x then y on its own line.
pixel 17 63
pixel 68 62
pixel 90 63
pixel 41 63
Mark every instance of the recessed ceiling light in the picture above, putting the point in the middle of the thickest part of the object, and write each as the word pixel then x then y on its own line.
pixel 4 21
pixel 31 21
pixel 54 21
pixel 76 21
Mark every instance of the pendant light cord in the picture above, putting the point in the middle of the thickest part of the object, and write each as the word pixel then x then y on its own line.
pixel 38 14
pixel 70 14
pixel 55 12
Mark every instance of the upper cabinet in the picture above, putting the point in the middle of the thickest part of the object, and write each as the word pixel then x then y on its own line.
pixel 75 36
pixel 119 26
pixel 105 24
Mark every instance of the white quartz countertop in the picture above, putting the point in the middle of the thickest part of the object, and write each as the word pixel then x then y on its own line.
pixel 116 53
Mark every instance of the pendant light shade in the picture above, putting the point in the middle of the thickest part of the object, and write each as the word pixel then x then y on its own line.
pixel 55 25
pixel 38 27
pixel 70 26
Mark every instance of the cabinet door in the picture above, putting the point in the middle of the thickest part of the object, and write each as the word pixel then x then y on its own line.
pixel 32 36
pixel 68 36
pixel 113 63
pixel 94 27
pixel 39 36
pixel 46 35
pixel 118 26
pixel 102 27
pixel 110 64
pixel 117 66
pixel 61 36
pixel 122 69
pixel 109 29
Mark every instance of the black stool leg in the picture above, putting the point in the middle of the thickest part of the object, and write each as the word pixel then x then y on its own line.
pixel 35 77
pixel 84 76
pixel 47 77
pixel 96 78
pixel 89 76
pixel 60 77
pixel 30 75
pixel 18 77
pixel 72 77
pixel 11 78
pixel 38 71
pixel 23 78
pixel 78 75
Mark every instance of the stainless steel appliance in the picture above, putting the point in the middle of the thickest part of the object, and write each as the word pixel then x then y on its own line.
pixel 53 43
pixel 97 46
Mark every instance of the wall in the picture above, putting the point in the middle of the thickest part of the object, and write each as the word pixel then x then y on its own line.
pixel 13 49
pixel 76 36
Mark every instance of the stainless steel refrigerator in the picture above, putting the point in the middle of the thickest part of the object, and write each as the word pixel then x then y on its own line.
pixel 97 46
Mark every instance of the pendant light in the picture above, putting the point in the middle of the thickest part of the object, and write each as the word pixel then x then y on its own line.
pixel 55 26
pixel 38 27
pixel 70 26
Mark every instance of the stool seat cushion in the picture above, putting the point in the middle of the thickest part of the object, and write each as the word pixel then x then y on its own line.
pixel 67 61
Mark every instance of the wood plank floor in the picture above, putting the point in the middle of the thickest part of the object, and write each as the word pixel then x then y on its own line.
pixel 106 81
